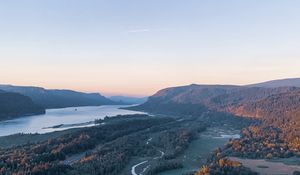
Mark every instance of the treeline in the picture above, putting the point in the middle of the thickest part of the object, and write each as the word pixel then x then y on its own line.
pixel 219 164
pixel 259 142
pixel 170 108
pixel 256 142
pixel 165 165
pixel 225 167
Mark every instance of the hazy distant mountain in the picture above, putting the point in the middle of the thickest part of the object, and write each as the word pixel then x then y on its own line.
pixel 59 98
pixel 291 82
pixel 16 105
pixel 129 100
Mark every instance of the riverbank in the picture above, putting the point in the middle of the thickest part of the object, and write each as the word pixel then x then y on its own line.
pixel 61 119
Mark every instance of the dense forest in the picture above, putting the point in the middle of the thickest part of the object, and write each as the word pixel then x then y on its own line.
pixel 280 111
pixel 48 157
pixel 15 105
pixel 107 149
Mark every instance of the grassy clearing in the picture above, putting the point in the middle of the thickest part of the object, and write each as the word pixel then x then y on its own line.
pixel 264 167
pixel 197 153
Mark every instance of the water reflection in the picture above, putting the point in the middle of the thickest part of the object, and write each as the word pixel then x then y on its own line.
pixel 65 116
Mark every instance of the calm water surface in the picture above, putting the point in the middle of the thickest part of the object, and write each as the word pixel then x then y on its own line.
pixel 66 116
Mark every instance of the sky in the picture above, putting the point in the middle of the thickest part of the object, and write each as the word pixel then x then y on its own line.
pixel 136 47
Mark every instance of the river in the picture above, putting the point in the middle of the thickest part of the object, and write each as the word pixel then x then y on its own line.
pixel 67 118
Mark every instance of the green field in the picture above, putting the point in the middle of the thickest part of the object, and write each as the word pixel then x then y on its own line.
pixel 198 151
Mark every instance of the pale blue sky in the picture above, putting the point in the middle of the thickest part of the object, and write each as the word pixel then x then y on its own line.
pixel 136 47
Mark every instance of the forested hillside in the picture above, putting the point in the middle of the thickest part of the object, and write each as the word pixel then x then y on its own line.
pixel 59 98
pixel 280 111
pixel 290 82
pixel 231 99
pixel 15 105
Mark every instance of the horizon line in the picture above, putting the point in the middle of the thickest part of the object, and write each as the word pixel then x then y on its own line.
pixel 110 94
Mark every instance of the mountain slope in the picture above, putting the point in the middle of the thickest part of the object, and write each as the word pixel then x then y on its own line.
pixel 59 98
pixel 275 107
pixel 128 100
pixel 15 105
pixel 291 82
pixel 278 110
pixel 187 100
pixel 214 97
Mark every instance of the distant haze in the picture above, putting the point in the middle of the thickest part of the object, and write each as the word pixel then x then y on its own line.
pixel 136 47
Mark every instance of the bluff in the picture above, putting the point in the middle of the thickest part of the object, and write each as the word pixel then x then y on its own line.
pixel 52 98
pixel 15 105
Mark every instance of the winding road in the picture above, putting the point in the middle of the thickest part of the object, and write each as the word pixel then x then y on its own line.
pixel 133 169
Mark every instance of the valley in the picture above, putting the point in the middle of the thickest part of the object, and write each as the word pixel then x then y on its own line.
pixel 185 130
pixel 140 143
pixel 149 87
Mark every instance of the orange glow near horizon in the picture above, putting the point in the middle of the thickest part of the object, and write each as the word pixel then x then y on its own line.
pixel 134 80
